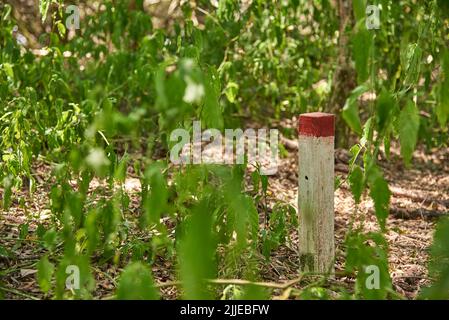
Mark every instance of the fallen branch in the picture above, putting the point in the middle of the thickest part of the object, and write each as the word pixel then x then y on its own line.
pixel 397 192
pixel 272 285
pixel 403 213
pixel 238 282
pixel 17 292
pixel 289 144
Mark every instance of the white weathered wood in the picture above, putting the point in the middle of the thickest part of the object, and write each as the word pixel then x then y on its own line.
pixel 316 203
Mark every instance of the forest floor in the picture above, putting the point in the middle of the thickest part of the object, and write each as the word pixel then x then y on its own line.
pixel 420 195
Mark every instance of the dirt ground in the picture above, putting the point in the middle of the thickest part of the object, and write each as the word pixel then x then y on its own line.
pixel 420 197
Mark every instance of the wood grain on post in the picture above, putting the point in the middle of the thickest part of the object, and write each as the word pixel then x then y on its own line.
pixel 316 192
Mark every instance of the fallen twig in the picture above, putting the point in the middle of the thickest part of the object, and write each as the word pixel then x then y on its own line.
pixel 413 214
pixel 238 282
pixel 17 292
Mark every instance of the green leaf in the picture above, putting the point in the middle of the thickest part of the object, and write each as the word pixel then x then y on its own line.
pixel 91 227
pixel 387 143
pixel 359 7
pixel 23 230
pixel 50 238
pixel 45 270
pixel 160 87
pixel 212 111
pixel 253 292
pixel 196 253
pixel 7 185
pixel 155 197
pixel 231 91
pixel 8 68
pixel 350 111
pixel 439 263
pixel 367 132
pixel 4 253
pixel 226 9
pixel 379 192
pixel 381 196
pixel 366 253
pixel 442 109
pixel 362 43
pixel 136 283
pixel 356 182
pixel 408 130
pixel 43 8
pixel 264 180
pixel 253 216
pixel 61 29
pixel 355 152
pixel 411 63
pixel 120 170
pixel 385 106
pixel 73 270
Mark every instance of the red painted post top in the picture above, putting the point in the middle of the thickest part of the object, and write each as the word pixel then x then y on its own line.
pixel 316 124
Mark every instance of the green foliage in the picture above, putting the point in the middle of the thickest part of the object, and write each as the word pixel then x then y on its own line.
pixel 66 273
pixel 385 107
pixel 442 110
pixel 154 194
pixel 408 130
pixel 379 192
pixel 350 112
pixel 359 8
pixel 282 219
pixel 136 283
pixel 411 63
pixel 43 8
pixel 439 264
pixel 98 108
pixel 45 270
pixel 362 46
pixel 356 181
pixel 197 265
pixel 366 252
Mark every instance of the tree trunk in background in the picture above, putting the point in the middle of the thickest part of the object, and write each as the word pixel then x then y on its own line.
pixel 344 80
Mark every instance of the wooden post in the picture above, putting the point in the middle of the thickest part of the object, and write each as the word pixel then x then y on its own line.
pixel 316 192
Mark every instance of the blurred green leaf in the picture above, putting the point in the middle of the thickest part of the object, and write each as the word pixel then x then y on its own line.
pixel 442 108
pixel 136 283
pixel 8 68
pixel 412 64
pixel 356 181
pixel 43 8
pixel 385 106
pixel 155 194
pixel 362 46
pixel 359 8
pixel 408 130
pixel 350 111
pixel 379 192
pixel 439 264
pixel 196 253
pixel 212 111
pixel 45 270
pixel 367 254
pixel 231 91
pixel 61 28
